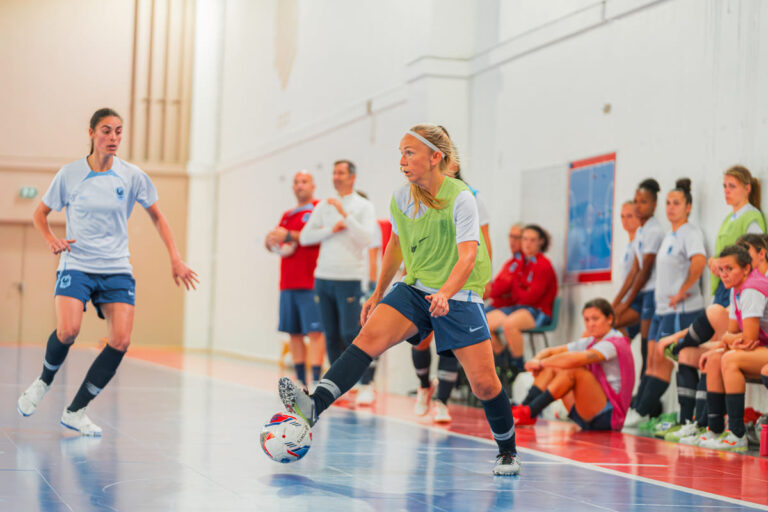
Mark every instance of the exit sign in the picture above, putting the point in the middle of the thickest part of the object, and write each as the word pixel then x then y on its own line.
pixel 27 192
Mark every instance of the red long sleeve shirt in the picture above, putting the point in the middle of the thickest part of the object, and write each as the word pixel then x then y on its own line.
pixel 529 282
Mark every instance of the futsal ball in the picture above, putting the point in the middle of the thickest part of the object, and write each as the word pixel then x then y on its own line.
pixel 286 438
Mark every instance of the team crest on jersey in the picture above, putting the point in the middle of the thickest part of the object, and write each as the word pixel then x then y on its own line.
pixel 305 217
pixel 65 281
pixel 120 191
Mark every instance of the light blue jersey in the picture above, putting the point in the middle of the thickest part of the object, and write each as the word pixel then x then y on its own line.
pixel 98 206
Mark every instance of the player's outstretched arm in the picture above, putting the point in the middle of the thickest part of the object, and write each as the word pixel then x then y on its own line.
pixel 179 269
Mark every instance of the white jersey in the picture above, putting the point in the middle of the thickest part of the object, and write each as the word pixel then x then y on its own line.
pixel 649 237
pixel 672 263
pixel 611 365
pixel 98 207
pixel 628 259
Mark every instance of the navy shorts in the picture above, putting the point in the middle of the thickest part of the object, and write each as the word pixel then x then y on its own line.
pixel 648 309
pixel 299 313
pixel 538 315
pixel 722 295
pixel 98 288
pixel 665 325
pixel 464 325
pixel 601 421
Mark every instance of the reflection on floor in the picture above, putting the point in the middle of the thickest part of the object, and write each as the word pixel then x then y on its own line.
pixel 181 433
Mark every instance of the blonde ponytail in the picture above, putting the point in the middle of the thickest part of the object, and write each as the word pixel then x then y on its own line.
pixel 437 136
pixel 745 177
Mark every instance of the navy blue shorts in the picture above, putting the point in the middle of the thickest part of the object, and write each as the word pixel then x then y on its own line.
pixel 98 288
pixel 665 325
pixel 538 315
pixel 299 313
pixel 648 309
pixel 601 421
pixel 464 325
pixel 722 295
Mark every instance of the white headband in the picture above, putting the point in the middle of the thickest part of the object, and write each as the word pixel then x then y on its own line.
pixel 426 142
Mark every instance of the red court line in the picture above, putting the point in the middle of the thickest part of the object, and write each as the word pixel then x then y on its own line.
pixel 725 474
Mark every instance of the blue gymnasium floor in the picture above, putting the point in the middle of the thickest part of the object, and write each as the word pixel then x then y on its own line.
pixel 178 441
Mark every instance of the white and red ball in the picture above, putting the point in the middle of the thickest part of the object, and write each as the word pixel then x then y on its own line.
pixel 286 438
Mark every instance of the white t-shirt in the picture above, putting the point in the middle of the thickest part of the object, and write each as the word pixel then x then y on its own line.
pixel 752 304
pixel 628 259
pixel 465 218
pixel 649 237
pixel 672 263
pixel 611 365
pixel 482 210
pixel 343 255
pixel 98 207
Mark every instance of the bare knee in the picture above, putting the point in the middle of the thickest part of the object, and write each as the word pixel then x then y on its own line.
pixel 486 387
pixel 67 334
pixel 689 356
pixel 729 362
pixel 120 343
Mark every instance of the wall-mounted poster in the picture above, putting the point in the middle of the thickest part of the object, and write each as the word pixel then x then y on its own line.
pixel 590 219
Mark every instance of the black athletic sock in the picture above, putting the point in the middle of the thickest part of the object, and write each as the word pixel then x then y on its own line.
pixel 716 412
pixel 765 380
pixel 316 369
pixel 422 359
pixel 734 405
pixel 340 378
pixel 518 363
pixel 501 360
pixel 699 332
pixel 654 388
pixel 687 380
pixel 55 353
pixel 99 374
pixel 369 373
pixel 447 374
pixel 701 401
pixel 533 393
pixel 301 372
pixel 541 401
pixel 499 415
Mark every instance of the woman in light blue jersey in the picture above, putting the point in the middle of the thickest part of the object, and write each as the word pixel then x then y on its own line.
pixel 98 192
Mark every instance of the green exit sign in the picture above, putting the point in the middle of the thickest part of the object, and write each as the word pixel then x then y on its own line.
pixel 27 192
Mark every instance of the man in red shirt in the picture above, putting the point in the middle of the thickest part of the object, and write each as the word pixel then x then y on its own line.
pixel 299 314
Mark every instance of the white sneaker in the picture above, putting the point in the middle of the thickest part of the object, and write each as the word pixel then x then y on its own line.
pixel 423 398
pixel 441 413
pixel 694 438
pixel 365 395
pixel 80 422
pixel 689 430
pixel 506 464
pixel 29 400
pixel 633 419
pixel 727 441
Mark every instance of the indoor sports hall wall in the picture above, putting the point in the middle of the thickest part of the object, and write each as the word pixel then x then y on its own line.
pixel 673 87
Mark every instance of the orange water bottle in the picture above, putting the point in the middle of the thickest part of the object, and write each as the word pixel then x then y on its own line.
pixel 764 440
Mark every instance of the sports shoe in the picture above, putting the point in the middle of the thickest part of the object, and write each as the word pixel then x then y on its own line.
pixel 507 464
pixel 297 400
pixel 633 419
pixel 522 415
pixel 727 441
pixel 665 422
pixel 441 413
pixel 29 400
pixel 365 395
pixel 80 422
pixel 423 397
pixel 675 434
pixel 695 438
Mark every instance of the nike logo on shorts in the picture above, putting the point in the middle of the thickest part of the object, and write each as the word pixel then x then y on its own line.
pixel 473 329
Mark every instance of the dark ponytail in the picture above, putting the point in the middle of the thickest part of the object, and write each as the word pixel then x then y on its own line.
pixel 683 185
pixel 98 116
pixel 543 235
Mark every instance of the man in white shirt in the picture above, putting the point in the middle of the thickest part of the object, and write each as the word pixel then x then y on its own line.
pixel 344 226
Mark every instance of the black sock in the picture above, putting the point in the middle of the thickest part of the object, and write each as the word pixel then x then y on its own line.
pixel 422 359
pixel 447 373
pixel 687 380
pixel 501 360
pixel 369 373
pixel 99 374
pixel 499 415
pixel 55 353
pixel 734 405
pixel 716 412
pixel 701 401
pixel 532 394
pixel 340 378
pixel 518 363
pixel 640 391
pixel 700 331
pixel 541 401
pixel 316 369
pixel 765 380
pixel 301 372
pixel 654 388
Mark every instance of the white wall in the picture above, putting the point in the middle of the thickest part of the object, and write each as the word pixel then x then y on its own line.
pixel 521 85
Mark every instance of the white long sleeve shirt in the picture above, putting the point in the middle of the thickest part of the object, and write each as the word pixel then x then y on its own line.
pixel 342 255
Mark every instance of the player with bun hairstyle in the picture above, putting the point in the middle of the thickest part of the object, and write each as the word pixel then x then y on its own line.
pixel 680 262
pixel 436 232
pixel 99 192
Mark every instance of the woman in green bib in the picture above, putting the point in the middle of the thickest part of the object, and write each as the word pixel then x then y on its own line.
pixel 742 193
pixel 436 232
